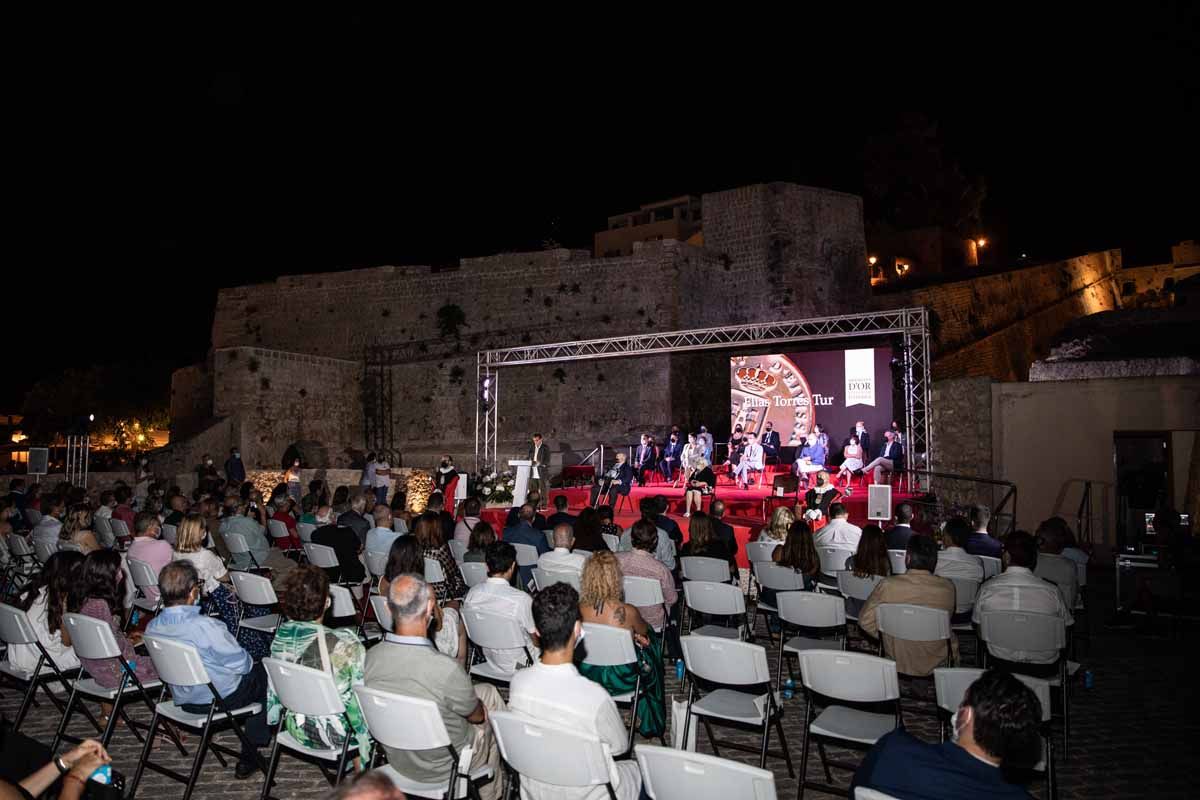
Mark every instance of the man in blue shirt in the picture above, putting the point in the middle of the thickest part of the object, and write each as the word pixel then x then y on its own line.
pixel 995 727
pixel 380 538
pixel 982 543
pixel 238 680
pixel 524 533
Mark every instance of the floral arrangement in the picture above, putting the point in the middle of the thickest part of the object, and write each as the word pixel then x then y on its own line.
pixel 495 488
pixel 418 485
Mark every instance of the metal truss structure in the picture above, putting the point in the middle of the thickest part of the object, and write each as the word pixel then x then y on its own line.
pixel 911 324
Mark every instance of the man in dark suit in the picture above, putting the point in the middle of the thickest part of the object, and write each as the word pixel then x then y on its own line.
pixel 514 514
pixel 770 440
pixel 899 534
pixel 864 438
pixel 643 458
pixel 235 470
pixel 524 533
pixel 539 474
pixel 723 531
pixel 560 515
pixel 344 542
pixel 661 520
pixel 671 453
pixel 354 519
pixel 616 482
pixel 891 457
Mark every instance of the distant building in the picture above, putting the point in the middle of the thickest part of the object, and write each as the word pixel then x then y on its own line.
pixel 678 218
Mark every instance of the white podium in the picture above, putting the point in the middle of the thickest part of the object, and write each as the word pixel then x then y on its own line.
pixel 521 470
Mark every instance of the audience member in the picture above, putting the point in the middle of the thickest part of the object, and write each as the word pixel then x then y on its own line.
pixel 446 631
pixel 538 522
pixel 45 601
pixel 344 543
pixel 981 543
pixel 560 515
pixel 702 541
pixel 238 680
pixel 437 505
pixel 588 531
pixel 99 596
pixel 919 587
pixel 406 664
pixel 869 560
pixel 429 535
pixel 148 547
pixel 380 537
pixel 177 503
pixel 554 691
pixel 123 510
pixel 353 518
pixel 665 523
pixel 523 532
pixel 898 535
pixel 49 528
pixel 838 532
pixel 777 529
pixel 77 529
pixel 465 526
pixel 721 529
pixel 954 561
pixel 498 596
pixel 482 535
pixel 561 559
pixel 1052 565
pixel 664 548
pixel 995 729
pixel 250 521
pixel 235 470
pixel 640 561
pixel 285 512
pixel 108 501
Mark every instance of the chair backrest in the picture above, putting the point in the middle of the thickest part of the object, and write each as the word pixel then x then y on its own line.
pixel 545 577
pixel 760 551
pixel 376 563
pixel 833 559
pixel 457 549
pixel 305 531
pixel 400 722
pixel 433 571
pixel 914 623
pixel 491 630
pixel 320 555
pixel 702 568
pixel 15 627
pixel 90 637
pixel 70 547
pixel 611 540
pixel 709 597
pixel 849 676
pixel 549 753
pixel 119 528
pixel 777 578
pixel 951 685
pixel 965 591
pixel 549 537
pixel 725 660
pixel 169 534
pixel 850 585
pixel 383 613
pixel 143 574
pixel 608 646
pixel 277 529
pixel 304 690
pixel 104 530
pixel 643 592
pixel 236 543
pixel 896 559
pixel 253 589
pixel 991 566
pixel 473 572
pixel 670 774
pixel 584 553
pixel 18 545
pixel 811 610
pixel 527 554
pixel 33 516
pixel 43 550
pixel 1021 630
pixel 176 663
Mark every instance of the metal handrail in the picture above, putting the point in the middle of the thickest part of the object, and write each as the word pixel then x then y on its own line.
pixel 996 511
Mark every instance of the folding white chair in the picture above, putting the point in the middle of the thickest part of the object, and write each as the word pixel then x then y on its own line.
pixel 15 629
pixel 457 549
pixel 777 579
pixel 833 560
pixel 305 531
pixel 670 774
pixel 70 547
pixel 543 578
pixel 412 723
pixel 492 631
pixel 611 540
pixel 94 640
pixel 433 571
pixel 283 538
pixel 549 537
pixel 104 531
pixel 376 566
pixel 254 590
pixel 730 663
pixel 120 530
pixel 179 664
pixel 913 623
pixel 951 686
pixel 702 568
pixel 965 592
pixel 473 572
pixel 527 554
pixel 607 646
pixel 853 587
pixel 236 543
pixel 553 754
pixel 1018 630
pixel 311 692
pixel 834 678
pixel 897 559
pixel 22 565
pixel 759 552
pixel 645 593
pixel 320 555
pixel 169 534
pixel 43 550
pixel 822 612
pixel 991 566
pixel 383 615
pixel 717 599
pixel 143 577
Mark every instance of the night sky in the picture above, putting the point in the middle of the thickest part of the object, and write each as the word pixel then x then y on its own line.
pixel 158 159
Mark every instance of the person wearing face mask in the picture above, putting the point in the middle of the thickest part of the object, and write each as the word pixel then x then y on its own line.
pixel 672 451
pixel 206 474
pixel 819 498
pixel 770 440
pixel 852 460
pixel 864 438
pixel 810 459
pixel 235 470
pixel 994 730
pixel 445 473
pixel 292 477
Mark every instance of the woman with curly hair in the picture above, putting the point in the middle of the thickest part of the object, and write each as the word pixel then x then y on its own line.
pixel 45 601
pixel 77 529
pixel 602 601
pixel 777 529
pixel 303 639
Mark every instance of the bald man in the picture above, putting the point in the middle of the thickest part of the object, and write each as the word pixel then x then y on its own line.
pixel 561 559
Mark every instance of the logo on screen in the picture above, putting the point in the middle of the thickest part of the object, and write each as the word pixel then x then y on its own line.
pixel 755 380
pixel 860 377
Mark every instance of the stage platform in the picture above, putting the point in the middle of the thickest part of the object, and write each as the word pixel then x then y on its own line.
pixel 747 510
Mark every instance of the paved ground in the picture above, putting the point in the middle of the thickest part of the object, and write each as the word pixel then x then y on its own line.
pixel 1136 734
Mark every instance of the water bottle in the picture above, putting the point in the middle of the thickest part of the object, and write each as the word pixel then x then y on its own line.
pixel 679 669
pixel 133 620
pixel 1089 680
pixel 789 689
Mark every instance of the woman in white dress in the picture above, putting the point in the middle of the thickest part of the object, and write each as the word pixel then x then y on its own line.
pixel 44 602
pixel 852 461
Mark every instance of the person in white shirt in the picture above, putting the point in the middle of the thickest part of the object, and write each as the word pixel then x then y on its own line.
pixel 45 601
pixel 561 559
pixel 553 691
pixel 1019 589
pixel 383 480
pixel 50 525
pixel 108 501
pixel 471 509
pixel 956 563
pixel 838 532
pixel 380 538
pixel 1052 564
pixel 498 596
